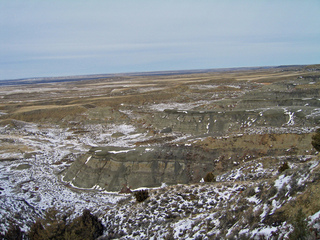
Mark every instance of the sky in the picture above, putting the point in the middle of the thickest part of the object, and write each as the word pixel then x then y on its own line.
pixel 47 38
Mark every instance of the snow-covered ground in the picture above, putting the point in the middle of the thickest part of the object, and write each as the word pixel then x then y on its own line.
pixel 32 158
pixel 230 208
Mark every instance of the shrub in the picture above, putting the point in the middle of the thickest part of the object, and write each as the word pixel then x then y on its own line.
pixel 14 233
pixel 249 192
pixel 55 226
pixel 275 219
pixel 36 231
pixel 170 234
pixel 141 195
pixel 272 191
pixel 209 177
pixel 316 140
pixel 51 227
pixel 283 167
pixel 300 226
pixel 87 226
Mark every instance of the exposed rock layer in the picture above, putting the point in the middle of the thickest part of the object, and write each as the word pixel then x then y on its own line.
pixel 110 168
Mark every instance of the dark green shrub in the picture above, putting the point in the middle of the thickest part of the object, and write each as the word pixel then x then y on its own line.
pixel 170 234
pixel 283 167
pixel 14 233
pixel 51 227
pixel 316 140
pixel 271 192
pixel 141 195
pixel 300 227
pixel 85 227
pixel 55 226
pixel 36 231
pixel 209 177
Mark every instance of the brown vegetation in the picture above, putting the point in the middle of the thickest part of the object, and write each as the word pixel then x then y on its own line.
pixel 141 195
pixel 316 140
pixel 56 226
pixel 209 177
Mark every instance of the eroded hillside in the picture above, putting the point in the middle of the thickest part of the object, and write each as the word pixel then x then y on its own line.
pixel 66 144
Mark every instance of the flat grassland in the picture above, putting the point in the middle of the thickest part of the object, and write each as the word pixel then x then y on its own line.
pixel 58 100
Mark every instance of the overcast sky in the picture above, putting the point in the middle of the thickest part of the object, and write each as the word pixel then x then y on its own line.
pixel 72 37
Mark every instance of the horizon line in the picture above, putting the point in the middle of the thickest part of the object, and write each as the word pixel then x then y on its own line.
pixel 30 80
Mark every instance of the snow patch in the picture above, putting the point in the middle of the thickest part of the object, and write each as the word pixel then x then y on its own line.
pixel 121 151
pixel 281 181
pixel 253 199
pixel 291 117
pixel 88 159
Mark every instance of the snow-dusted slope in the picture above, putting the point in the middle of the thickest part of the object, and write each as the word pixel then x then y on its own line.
pixel 230 208
pixel 29 177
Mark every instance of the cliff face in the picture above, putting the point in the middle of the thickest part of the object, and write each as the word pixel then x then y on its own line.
pixel 219 123
pixel 111 168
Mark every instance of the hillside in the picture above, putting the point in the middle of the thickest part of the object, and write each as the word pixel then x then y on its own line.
pixel 72 145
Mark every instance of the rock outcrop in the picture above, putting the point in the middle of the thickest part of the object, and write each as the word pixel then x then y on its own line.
pixel 111 168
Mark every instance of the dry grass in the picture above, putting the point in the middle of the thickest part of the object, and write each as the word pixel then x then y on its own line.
pixel 44 113
pixel 48 101
pixel 265 142
pixel 309 201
